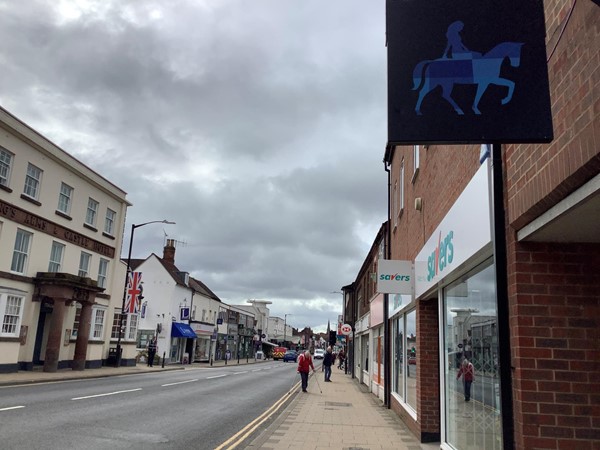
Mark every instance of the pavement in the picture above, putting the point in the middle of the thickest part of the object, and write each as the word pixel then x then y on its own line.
pixel 338 415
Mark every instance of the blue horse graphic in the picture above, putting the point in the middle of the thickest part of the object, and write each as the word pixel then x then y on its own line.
pixel 466 67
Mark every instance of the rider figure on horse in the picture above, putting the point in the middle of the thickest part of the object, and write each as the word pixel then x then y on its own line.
pixel 455 48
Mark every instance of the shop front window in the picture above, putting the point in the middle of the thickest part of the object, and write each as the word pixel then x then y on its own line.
pixel 399 356
pixel 202 350
pixel 471 378
pixel 378 366
pixel 410 359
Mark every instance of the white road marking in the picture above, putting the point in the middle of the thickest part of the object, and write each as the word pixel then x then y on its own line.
pixel 216 376
pixel 11 407
pixel 256 370
pixel 179 382
pixel 238 373
pixel 108 393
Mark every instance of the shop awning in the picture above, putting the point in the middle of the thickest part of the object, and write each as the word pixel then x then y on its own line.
pixel 182 330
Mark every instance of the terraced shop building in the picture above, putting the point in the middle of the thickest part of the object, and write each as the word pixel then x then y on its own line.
pixel 61 231
pixel 534 342
pixel 545 393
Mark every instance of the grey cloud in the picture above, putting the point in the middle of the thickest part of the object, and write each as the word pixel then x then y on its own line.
pixel 260 130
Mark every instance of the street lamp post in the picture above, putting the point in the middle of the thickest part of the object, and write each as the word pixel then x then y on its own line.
pixel 285 326
pixel 123 315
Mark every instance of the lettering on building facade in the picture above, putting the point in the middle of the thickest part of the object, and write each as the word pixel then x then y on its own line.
pixel 38 223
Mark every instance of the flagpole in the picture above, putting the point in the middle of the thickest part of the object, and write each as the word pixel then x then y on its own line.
pixel 127 273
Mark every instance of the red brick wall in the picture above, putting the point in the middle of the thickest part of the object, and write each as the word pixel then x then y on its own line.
pixel 554 289
pixel 542 175
pixel 428 383
pixel 555 331
pixel 443 174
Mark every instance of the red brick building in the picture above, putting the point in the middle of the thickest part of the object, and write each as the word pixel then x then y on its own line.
pixel 439 218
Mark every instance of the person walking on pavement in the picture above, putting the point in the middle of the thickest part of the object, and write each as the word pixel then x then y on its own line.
pixel 468 373
pixel 151 351
pixel 328 361
pixel 305 363
pixel 341 357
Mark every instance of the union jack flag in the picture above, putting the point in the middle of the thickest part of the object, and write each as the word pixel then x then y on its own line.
pixel 134 291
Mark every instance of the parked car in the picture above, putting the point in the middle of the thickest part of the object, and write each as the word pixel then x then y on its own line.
pixel 290 355
pixel 319 353
pixel 412 360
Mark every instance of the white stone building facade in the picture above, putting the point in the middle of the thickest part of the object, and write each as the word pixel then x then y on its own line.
pixel 61 231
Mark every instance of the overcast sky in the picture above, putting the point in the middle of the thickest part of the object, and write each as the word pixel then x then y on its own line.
pixel 258 126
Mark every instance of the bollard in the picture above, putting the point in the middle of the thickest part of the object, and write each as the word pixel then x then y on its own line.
pixel 163 361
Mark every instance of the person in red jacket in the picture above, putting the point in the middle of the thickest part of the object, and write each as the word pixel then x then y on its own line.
pixel 305 363
pixel 468 373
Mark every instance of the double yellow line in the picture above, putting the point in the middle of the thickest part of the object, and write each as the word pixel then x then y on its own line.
pixel 243 434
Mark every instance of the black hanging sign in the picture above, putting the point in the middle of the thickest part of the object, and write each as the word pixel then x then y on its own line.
pixel 467 71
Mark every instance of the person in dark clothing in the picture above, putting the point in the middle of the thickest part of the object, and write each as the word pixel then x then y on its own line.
pixel 151 351
pixel 328 361
pixel 305 363
pixel 341 357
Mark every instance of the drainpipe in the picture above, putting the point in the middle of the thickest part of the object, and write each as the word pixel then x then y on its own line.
pixel 500 265
pixel 387 354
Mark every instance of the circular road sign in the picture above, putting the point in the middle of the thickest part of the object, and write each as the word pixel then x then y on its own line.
pixel 346 329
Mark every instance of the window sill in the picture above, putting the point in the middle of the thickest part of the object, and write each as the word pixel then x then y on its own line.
pixel 5 188
pixel 110 236
pixel 90 227
pixel 62 214
pixel 414 177
pixel 411 412
pixel 10 339
pixel 30 200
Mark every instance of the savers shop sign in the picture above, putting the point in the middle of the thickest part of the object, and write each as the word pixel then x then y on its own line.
pixel 394 277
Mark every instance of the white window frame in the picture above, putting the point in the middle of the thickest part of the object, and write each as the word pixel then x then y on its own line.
pixel 132 326
pixel 402 399
pixel 65 199
pixel 21 251
pixel 91 213
pixel 395 203
pixel 129 327
pixel 401 189
pixel 6 159
pixel 109 221
pixel 84 264
pixel 55 263
pixel 76 320
pixel 7 309
pixel 114 330
pixel 97 328
pixel 416 162
pixel 33 181
pixel 102 272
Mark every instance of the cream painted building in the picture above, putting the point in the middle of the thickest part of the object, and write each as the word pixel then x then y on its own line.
pixel 61 279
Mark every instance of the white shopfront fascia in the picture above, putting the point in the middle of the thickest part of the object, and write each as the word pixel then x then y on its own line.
pixel 362 324
pixel 463 232
pixel 203 329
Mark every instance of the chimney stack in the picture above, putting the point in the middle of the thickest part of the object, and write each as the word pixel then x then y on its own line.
pixel 169 251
